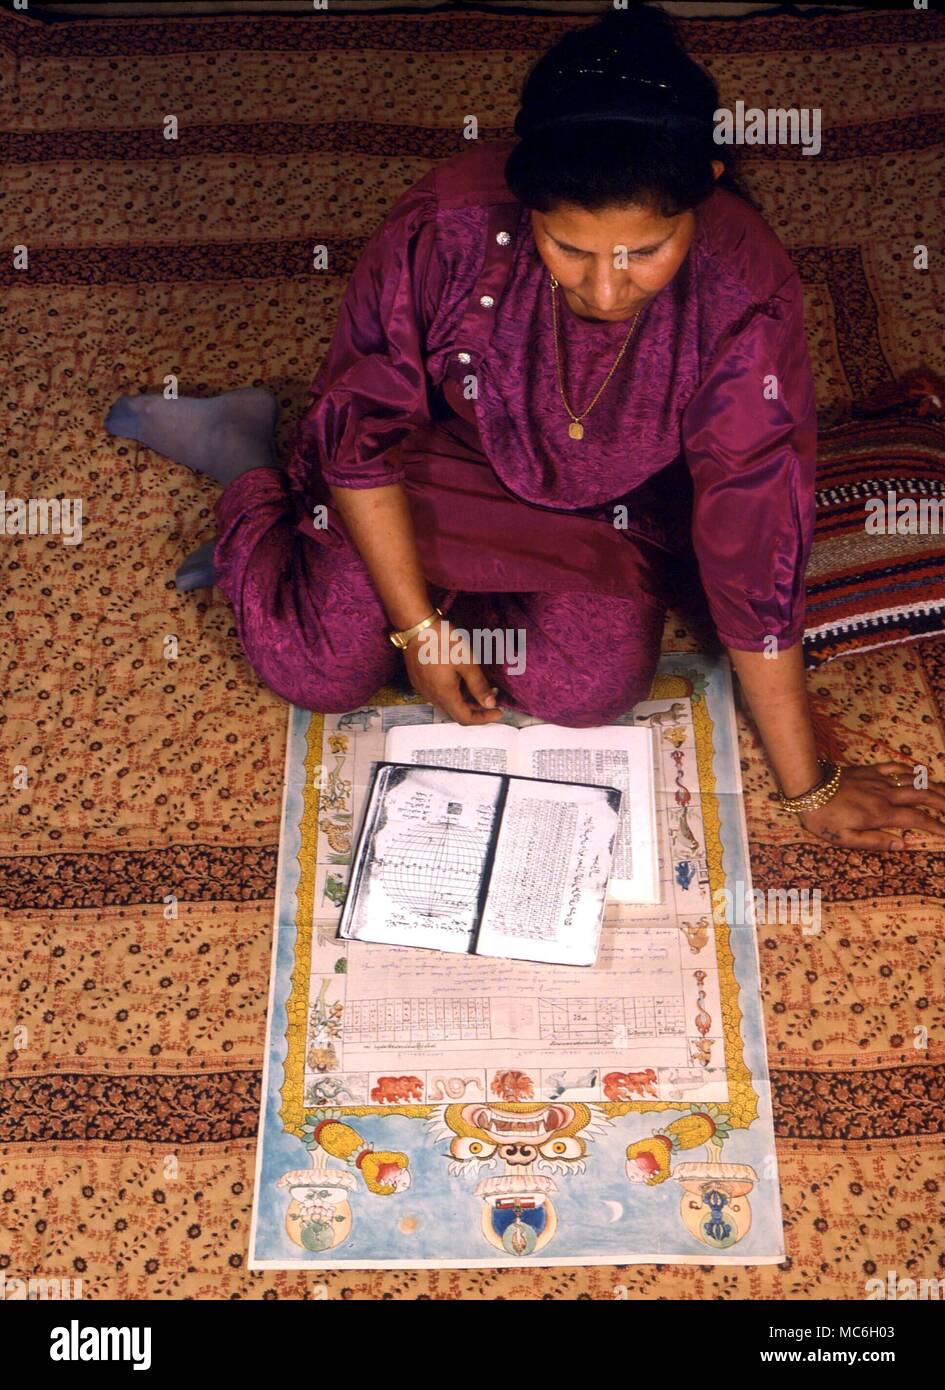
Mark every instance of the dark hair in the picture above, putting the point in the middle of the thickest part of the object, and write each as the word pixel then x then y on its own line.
pixel 617 113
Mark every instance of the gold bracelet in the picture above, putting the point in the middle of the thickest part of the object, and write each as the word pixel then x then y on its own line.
pixel 818 794
pixel 400 639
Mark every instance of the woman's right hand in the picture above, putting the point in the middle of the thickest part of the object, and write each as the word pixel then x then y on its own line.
pixel 439 666
pixel 378 521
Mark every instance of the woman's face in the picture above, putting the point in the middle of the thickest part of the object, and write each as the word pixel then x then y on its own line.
pixel 580 249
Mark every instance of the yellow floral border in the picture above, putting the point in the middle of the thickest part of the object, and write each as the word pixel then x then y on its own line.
pixel 742 1105
pixel 293 1084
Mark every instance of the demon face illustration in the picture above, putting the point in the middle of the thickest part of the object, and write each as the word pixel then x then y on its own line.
pixel 545 1138
pixel 530 1141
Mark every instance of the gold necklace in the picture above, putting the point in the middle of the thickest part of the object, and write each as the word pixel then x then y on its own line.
pixel 576 429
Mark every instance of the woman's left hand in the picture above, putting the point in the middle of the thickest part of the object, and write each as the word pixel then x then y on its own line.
pixel 867 800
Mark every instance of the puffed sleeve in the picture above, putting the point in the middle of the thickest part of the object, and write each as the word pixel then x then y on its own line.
pixel 371 390
pixel 752 461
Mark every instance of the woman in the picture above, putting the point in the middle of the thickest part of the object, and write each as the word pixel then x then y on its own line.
pixel 557 360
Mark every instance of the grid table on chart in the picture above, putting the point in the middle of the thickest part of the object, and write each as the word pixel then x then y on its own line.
pixel 415 1020
pixel 601 1020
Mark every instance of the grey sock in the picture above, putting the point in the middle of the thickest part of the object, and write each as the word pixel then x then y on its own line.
pixel 222 436
pixel 197 572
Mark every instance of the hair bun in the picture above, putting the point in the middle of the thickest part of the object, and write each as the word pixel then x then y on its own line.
pixel 629 63
pixel 616 113
pixel 647 33
pixel 638 19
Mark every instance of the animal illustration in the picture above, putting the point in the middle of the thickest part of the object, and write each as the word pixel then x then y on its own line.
pixel 701 1051
pixel 451 1087
pixel 672 714
pixel 621 1085
pixel 680 832
pixel 335 889
pixel 330 1090
pixel 512 1085
pixel 684 1077
pixel 685 871
pixel 393 1090
pixel 696 934
pixel 322 1058
pixel 559 1082
pixel 338 836
pixel 358 719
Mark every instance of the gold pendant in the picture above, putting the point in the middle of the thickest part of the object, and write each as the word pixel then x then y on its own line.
pixel 576 429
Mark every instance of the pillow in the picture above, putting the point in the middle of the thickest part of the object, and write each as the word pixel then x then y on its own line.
pixel 876 574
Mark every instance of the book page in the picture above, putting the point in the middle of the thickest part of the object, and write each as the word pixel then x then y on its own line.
pixel 488 748
pixel 617 756
pixel 418 875
pixel 549 875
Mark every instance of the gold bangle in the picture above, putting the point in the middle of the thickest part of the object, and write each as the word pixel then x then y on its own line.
pixel 400 639
pixel 818 794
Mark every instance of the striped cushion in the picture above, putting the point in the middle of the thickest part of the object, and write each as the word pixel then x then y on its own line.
pixel 869 588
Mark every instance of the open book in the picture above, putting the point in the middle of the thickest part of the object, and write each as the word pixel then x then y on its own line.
pixel 482 862
pixel 619 755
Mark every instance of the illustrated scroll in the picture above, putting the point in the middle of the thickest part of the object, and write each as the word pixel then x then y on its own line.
pixel 425 1109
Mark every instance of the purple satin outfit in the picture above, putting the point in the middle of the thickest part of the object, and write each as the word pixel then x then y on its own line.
pixel 441 375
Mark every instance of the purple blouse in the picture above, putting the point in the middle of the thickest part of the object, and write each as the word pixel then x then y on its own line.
pixel 717 373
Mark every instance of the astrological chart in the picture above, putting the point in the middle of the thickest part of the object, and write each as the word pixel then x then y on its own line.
pixel 651 1002
pixel 602 1021
pixel 415 1020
